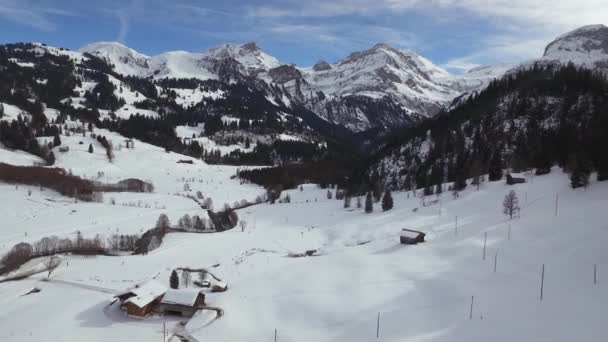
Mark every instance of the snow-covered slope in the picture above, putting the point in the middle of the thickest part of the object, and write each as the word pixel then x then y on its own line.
pixel 124 60
pixel 421 293
pixel 384 71
pixel 586 46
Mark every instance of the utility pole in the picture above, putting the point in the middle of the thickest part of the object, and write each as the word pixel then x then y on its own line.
pixel 495 260
pixel 509 236
pixel 556 202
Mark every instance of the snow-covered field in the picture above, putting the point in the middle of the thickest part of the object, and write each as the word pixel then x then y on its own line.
pixel 422 292
pixel 150 163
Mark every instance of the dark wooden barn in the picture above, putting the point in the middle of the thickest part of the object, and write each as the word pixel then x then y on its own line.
pixel 411 237
pixel 515 178
pixel 182 302
pixel 140 300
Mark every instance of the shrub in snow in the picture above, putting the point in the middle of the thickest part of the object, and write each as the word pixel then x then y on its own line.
pixel 369 204
pixel 387 201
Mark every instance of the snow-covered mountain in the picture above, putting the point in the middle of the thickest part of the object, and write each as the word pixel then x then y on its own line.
pixel 585 47
pixel 379 88
pixel 349 92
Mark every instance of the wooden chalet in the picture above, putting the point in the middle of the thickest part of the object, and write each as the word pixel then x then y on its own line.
pixel 182 302
pixel 411 237
pixel 515 178
pixel 140 300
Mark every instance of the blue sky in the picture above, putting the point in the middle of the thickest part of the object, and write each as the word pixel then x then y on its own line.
pixel 456 34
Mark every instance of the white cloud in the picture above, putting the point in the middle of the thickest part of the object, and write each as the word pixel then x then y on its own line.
pixel 34 15
pixel 519 29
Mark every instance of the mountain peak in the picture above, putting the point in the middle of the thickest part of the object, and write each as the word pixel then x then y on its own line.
pixel 382 45
pixel 321 66
pixel 248 54
pixel 587 40
pixel 110 47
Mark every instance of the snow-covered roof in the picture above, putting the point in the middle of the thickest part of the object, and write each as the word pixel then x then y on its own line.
pixel 145 293
pixel 410 233
pixel 181 296
pixel 517 175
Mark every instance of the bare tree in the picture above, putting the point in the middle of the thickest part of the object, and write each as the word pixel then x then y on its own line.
pixel 243 224
pixel 163 222
pixel 51 264
pixel 510 204
pixel 186 278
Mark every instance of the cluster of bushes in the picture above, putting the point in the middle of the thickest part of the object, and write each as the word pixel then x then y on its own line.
pixel 123 243
pixel 195 222
pixel 67 184
pixel 53 178
pixel 107 145
pixel 24 252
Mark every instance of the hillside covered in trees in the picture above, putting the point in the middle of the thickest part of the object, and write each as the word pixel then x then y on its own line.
pixel 531 119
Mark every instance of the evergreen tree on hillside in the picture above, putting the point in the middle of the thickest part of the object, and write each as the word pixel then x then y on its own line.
pixel 56 140
pixel 495 172
pixel 579 170
pixel 387 201
pixel 1 110
pixel 369 204
pixel 174 280
pixel 476 172
pixel 90 148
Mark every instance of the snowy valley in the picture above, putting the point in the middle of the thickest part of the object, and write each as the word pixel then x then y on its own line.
pixel 227 196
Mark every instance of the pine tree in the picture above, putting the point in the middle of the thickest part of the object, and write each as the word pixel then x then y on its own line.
pixel 174 280
pixel 369 204
pixel 476 170
pixel 495 172
pixel 387 201
pixel 90 148
pixel 579 170
pixel 56 140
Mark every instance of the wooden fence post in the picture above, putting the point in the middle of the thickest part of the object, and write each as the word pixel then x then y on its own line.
pixel 485 237
pixel 594 274
pixel 378 327
pixel 471 310
pixel 542 282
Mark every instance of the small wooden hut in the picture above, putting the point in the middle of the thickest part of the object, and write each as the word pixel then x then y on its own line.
pixel 411 237
pixel 515 178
